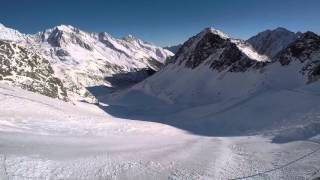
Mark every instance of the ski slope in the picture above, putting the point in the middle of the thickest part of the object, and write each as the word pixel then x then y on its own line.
pixel 43 138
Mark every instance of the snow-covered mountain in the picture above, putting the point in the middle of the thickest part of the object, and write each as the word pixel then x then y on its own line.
pixel 28 70
pixel 213 75
pixel 271 42
pixel 217 110
pixel 211 66
pixel 82 59
pixel 10 34
pixel 207 67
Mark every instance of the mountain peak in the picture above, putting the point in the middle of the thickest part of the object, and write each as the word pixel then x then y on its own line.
pixel 271 42
pixel 281 29
pixel 130 37
pixel 276 30
pixel 310 35
pixel 214 49
pixel 104 35
pixel 63 27
pixel 214 31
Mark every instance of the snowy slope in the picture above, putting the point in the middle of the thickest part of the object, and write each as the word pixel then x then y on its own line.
pixel 271 42
pixel 64 141
pixel 82 59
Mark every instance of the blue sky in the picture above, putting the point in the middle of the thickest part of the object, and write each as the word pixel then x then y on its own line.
pixel 163 22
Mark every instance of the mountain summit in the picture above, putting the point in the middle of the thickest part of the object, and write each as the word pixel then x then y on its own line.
pixel 271 42
pixel 216 49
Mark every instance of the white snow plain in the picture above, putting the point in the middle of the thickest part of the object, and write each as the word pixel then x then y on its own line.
pixel 44 138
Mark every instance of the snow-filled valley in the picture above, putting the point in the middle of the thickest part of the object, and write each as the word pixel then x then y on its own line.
pixel 44 138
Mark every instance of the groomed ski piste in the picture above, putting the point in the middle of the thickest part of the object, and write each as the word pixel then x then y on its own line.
pixel 43 138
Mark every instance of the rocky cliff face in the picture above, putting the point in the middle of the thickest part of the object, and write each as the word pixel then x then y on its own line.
pixel 219 52
pixel 20 67
pixel 305 50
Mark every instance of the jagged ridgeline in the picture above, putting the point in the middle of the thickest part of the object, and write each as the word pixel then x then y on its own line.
pixel 212 48
pixel 212 67
pixel 28 70
pixel 84 59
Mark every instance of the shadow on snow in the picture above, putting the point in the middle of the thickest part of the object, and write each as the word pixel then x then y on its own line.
pixel 246 116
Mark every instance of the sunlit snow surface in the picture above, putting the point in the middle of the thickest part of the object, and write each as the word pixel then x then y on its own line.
pixel 83 59
pixel 43 138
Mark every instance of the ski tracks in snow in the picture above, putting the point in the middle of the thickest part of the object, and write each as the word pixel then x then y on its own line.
pixel 194 158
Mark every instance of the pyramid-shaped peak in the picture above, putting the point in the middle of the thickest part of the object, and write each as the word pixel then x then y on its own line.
pixel 281 29
pixel 215 31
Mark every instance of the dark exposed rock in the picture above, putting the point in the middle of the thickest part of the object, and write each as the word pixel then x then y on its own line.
pixel 103 38
pixel 154 64
pixel 29 71
pixel 301 49
pixel 218 52
pixel 57 38
pixel 76 40
pixel 61 52
pixel 305 50
pixel 208 45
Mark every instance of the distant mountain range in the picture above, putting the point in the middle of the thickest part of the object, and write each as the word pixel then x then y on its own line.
pixel 64 61
pixel 213 63
pixel 82 59
pixel 271 42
